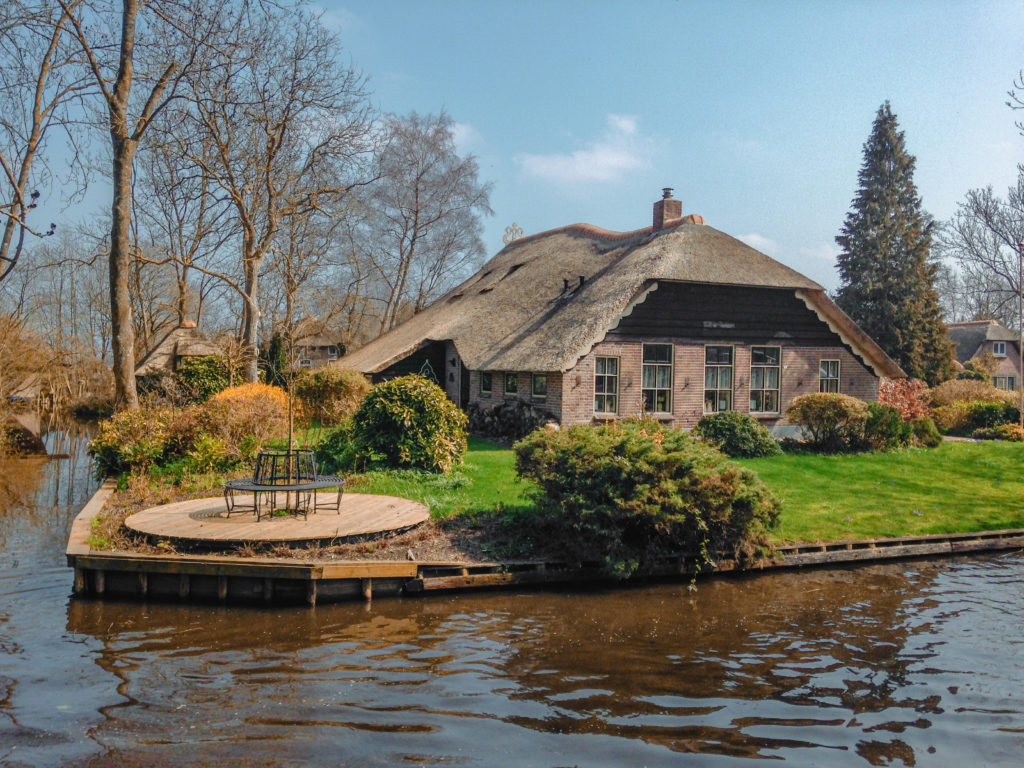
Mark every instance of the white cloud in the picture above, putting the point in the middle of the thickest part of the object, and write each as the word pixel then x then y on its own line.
pixel 618 150
pixel 760 242
pixel 822 252
pixel 466 137
pixel 337 19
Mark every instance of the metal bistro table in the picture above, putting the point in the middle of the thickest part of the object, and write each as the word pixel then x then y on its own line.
pixel 284 481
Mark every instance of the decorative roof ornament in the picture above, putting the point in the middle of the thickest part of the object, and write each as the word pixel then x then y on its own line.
pixel 512 233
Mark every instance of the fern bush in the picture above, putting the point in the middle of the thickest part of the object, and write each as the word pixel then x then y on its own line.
pixel 633 492
pixel 409 422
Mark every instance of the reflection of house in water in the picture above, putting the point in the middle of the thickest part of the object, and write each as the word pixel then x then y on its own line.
pixel 182 342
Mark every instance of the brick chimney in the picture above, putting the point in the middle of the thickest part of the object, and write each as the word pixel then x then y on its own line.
pixel 668 210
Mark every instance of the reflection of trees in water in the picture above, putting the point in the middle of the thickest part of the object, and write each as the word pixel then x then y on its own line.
pixel 41 494
pixel 743 667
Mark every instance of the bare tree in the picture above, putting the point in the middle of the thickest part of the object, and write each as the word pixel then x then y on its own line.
pixel 37 85
pixel 183 221
pixel 289 128
pixel 158 44
pixel 984 238
pixel 424 226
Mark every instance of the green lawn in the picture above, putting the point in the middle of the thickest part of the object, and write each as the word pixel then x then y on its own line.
pixel 956 487
pixel 485 483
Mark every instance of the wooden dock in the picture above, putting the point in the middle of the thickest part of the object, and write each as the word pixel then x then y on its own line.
pixel 205 521
pixel 284 580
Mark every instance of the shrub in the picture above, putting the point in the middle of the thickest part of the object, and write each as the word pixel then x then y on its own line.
pixel 409 422
pixel 737 435
pixel 911 397
pixel 961 391
pixel 834 422
pixel 984 415
pixel 635 491
pixel 246 417
pixel 1012 432
pixel 337 451
pixel 926 434
pixel 974 372
pixel 885 429
pixel 201 378
pixel 509 420
pixel 330 395
pixel 952 418
pixel 130 440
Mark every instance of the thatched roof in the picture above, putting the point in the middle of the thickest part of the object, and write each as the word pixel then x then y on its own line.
pixel 183 341
pixel 969 336
pixel 513 314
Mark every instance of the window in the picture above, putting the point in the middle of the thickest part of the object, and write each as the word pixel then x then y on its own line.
pixel 485 382
pixel 999 348
pixel 657 378
pixel 765 364
pixel 511 384
pixel 717 379
pixel 606 385
pixel 828 376
pixel 1004 382
pixel 332 350
pixel 305 363
pixel 540 386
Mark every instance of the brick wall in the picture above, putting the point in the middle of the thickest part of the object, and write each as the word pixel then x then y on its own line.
pixel 799 375
pixel 524 390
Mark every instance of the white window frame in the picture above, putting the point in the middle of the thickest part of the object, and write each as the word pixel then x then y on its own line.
pixel 732 379
pixel 1009 382
pixel 838 378
pixel 656 366
pixel 777 389
pixel 607 377
pixel 305 363
pixel 999 348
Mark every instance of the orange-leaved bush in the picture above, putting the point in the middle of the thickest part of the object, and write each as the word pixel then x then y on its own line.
pixel 246 417
pixel 911 397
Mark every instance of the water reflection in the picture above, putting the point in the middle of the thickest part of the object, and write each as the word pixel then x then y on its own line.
pixel 903 664
pixel 881 666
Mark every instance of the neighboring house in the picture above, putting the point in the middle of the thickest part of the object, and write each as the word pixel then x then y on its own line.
pixel 982 340
pixel 184 341
pixel 675 321
pixel 315 350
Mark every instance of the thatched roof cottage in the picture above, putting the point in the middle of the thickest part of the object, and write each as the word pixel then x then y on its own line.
pixel 675 320
pixel 992 343
pixel 180 342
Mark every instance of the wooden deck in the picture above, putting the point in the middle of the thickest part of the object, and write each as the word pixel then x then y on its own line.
pixel 206 521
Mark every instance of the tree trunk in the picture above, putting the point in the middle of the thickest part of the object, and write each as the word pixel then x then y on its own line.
pixel 123 146
pixel 122 332
pixel 250 321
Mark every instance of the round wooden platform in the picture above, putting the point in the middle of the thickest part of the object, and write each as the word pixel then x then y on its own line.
pixel 363 515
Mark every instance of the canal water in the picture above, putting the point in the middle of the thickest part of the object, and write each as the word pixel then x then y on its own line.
pixel 915 664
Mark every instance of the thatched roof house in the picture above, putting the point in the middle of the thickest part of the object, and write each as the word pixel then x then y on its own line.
pixel 992 342
pixel 654 299
pixel 183 341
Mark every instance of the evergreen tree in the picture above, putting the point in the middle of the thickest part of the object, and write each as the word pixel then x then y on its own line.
pixel 886 271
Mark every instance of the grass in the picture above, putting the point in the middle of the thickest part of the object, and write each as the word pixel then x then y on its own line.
pixel 957 487
pixel 485 483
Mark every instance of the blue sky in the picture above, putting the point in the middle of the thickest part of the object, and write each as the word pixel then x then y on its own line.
pixel 755 112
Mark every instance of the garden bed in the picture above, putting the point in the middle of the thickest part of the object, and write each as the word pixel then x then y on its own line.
pixel 481 511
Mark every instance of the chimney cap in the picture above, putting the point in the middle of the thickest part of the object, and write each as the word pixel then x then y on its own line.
pixel 666 193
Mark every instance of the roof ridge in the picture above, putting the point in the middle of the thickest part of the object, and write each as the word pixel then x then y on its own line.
pixel 610 235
